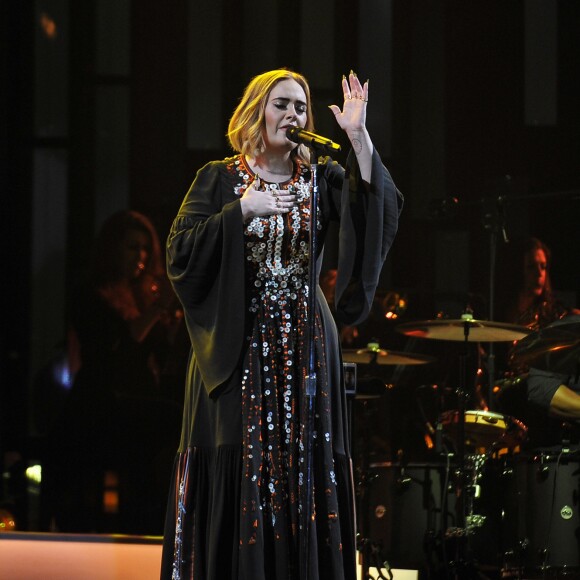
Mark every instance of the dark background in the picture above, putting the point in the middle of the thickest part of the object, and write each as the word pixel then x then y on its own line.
pixel 107 104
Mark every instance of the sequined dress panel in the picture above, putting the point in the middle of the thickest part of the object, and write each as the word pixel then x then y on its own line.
pixel 276 250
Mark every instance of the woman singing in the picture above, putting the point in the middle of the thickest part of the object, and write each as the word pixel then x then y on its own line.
pixel 238 260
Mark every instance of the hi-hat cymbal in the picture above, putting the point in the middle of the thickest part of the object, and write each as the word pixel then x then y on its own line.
pixel 555 348
pixel 384 357
pixel 460 330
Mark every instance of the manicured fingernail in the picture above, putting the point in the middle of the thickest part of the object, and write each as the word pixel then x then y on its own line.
pixel 343 77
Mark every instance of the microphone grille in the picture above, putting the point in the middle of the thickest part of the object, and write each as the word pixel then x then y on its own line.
pixel 293 133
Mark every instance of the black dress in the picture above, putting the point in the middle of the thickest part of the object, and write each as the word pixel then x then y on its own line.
pixel 234 506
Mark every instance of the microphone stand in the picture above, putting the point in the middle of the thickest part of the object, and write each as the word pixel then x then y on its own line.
pixel 309 394
pixel 494 221
pixel 309 391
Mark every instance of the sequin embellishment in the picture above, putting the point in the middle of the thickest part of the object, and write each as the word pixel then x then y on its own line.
pixel 276 249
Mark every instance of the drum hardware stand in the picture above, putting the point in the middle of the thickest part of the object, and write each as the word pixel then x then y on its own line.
pixel 474 521
pixel 463 565
pixel 403 480
pixel 371 552
pixel 514 561
pixel 372 555
pixel 494 221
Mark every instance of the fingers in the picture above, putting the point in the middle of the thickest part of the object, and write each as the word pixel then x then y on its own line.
pixel 353 89
pixel 355 86
pixel 265 200
pixel 283 200
pixel 353 113
pixel 365 91
pixel 335 109
pixel 346 88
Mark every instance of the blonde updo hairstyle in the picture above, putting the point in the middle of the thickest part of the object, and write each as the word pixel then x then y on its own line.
pixel 245 130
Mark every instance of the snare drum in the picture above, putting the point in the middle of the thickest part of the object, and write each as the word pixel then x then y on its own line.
pixel 485 430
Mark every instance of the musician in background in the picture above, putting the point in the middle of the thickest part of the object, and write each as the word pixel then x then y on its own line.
pixel 118 427
pixel 349 335
pixel 526 297
pixel 525 294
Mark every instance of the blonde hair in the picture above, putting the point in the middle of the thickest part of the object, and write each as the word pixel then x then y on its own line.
pixel 247 121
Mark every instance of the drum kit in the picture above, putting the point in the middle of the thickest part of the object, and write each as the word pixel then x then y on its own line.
pixel 482 507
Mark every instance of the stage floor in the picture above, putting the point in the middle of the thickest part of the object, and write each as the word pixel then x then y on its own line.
pixel 33 556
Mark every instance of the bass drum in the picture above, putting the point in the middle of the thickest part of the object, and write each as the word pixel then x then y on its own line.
pixel 405 512
pixel 530 508
pixel 542 515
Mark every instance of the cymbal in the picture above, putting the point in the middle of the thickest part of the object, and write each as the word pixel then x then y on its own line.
pixel 555 348
pixel 476 330
pixel 384 357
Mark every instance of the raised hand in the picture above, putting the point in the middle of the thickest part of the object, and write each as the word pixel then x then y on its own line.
pixel 354 110
pixel 352 119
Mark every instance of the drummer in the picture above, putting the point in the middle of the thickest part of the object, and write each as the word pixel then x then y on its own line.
pixel 526 297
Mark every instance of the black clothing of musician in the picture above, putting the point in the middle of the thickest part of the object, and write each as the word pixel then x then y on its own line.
pixel 238 259
pixel 552 388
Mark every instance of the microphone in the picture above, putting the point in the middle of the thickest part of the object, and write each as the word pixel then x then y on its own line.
pixel 299 135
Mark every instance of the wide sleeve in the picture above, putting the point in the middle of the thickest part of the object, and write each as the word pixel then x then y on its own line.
pixel 205 264
pixel 369 217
